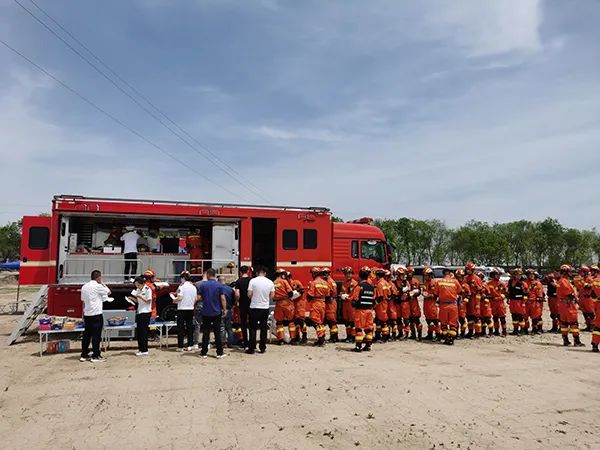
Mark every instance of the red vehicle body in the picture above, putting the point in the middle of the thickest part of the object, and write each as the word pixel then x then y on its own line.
pixel 60 250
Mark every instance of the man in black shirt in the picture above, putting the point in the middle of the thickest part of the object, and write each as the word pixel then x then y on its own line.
pixel 241 295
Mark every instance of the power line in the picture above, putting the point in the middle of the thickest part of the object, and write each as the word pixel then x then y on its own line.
pixel 146 99
pixel 113 118
pixel 236 178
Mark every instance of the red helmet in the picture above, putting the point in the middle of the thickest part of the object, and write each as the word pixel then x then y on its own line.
pixel 149 273
pixel 410 269
pixel 427 271
pixel 347 269
pixel 325 270
pixel 401 270
pixel 459 273
pixel 365 268
pixel 584 269
pixel 280 271
pixel 469 266
pixel 380 272
pixel 594 268
pixel 315 270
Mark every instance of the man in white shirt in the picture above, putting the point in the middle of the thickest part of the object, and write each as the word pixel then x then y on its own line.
pixel 93 294
pixel 185 297
pixel 260 291
pixel 130 240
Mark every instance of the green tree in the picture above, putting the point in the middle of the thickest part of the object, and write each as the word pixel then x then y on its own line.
pixel 10 241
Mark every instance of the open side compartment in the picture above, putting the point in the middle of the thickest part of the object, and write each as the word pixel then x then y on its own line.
pixel 167 245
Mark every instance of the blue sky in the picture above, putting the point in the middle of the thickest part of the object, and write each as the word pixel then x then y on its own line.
pixel 447 109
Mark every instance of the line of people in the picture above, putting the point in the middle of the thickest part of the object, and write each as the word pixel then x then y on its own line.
pixel 381 306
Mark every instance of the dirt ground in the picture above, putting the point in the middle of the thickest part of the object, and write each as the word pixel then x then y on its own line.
pixel 526 392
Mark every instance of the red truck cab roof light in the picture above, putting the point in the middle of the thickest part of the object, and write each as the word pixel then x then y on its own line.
pixel 365 220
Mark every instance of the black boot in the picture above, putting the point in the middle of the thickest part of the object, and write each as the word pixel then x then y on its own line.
pixel 566 341
pixel 419 334
pixel 578 342
pixel 333 338
pixel 358 348
pixel 304 339
pixel 429 336
pixel 469 335
pixel 367 347
pixel 504 332
pixel 413 333
pixel 515 332
pixel 595 348
pixel 377 336
pixel 496 332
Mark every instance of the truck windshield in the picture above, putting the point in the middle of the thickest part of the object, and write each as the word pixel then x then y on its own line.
pixel 374 250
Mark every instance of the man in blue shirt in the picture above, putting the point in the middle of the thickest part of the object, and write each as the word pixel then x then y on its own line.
pixel 214 308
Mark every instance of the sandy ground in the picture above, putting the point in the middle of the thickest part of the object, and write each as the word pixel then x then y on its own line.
pixel 526 392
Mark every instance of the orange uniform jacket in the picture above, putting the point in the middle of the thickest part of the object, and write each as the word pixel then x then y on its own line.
pixel 567 297
pixel 430 308
pixel 318 289
pixel 351 289
pixel 447 290
pixel 382 295
pixel 497 290
pixel 283 289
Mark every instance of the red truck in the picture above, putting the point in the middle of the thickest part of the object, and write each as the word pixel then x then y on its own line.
pixel 83 234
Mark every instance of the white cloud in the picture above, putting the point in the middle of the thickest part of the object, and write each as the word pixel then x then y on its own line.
pixel 486 28
pixel 319 135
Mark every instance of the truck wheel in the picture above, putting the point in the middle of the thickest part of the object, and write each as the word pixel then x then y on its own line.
pixel 169 313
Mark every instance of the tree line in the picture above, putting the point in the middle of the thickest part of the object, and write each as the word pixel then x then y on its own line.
pixel 543 244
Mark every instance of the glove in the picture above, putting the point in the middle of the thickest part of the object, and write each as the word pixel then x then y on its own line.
pixel 110 299
pixel 295 295
pixel 415 292
pixel 405 289
pixel 344 296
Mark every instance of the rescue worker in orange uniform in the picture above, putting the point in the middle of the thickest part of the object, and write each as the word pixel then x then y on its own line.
pixel 430 306
pixel 463 300
pixel 416 327
pixel 535 302
pixel 382 295
pixel 567 296
pixel 447 290
pixel 348 294
pixel 392 306
pixel 595 278
pixel 474 305
pixel 498 291
pixel 517 296
pixel 363 312
pixel 284 307
pixel 586 302
pixel 193 242
pixel 331 304
pixel 402 303
pixel 299 310
pixel 316 293
pixel 485 307
pixel 553 302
